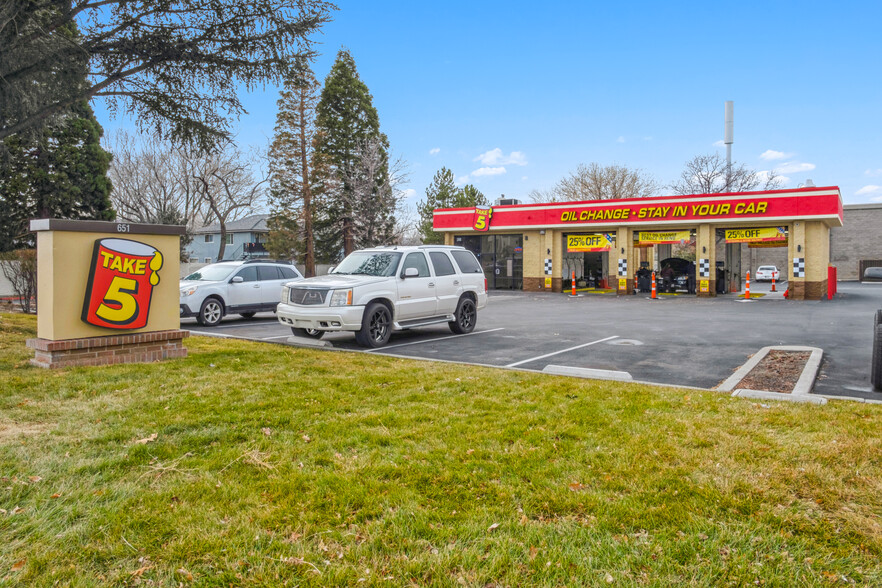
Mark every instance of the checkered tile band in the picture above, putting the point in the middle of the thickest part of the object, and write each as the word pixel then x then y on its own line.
pixel 623 267
pixel 704 268
pixel 799 267
pixel 547 267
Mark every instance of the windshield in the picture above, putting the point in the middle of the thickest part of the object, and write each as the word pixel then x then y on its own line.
pixel 370 263
pixel 212 273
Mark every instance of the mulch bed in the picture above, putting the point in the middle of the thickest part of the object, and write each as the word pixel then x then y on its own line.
pixel 777 372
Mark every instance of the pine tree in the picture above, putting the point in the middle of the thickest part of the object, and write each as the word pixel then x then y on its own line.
pixel 443 193
pixel 292 206
pixel 351 165
pixel 60 174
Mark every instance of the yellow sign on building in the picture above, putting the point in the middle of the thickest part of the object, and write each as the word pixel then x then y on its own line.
pixel 752 235
pixel 646 238
pixel 590 243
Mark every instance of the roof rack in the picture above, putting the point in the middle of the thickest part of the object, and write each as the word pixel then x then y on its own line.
pixel 441 246
pixel 260 260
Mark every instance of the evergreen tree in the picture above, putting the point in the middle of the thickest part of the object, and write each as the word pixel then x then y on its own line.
pixel 443 193
pixel 60 174
pixel 292 207
pixel 351 165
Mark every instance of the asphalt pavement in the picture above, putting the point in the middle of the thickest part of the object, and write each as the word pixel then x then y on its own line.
pixel 679 340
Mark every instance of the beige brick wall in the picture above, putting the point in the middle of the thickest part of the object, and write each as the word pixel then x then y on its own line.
pixel 859 238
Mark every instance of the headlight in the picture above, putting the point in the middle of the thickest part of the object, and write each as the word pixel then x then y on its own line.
pixel 188 290
pixel 341 298
pixel 285 293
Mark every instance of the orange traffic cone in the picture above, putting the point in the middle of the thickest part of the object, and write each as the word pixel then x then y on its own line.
pixel 773 281
pixel 574 283
pixel 747 289
pixel 654 297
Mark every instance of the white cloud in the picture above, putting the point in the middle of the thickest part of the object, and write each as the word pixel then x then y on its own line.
pixel 870 190
pixel 524 178
pixel 408 193
pixel 497 157
pixel 488 171
pixel 764 176
pixel 435 151
pixel 620 139
pixel 772 155
pixel 873 172
pixel 795 167
pixel 719 143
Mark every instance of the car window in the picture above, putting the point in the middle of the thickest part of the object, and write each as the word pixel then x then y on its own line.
pixel 768 268
pixel 268 272
pixel 369 263
pixel 288 273
pixel 248 274
pixel 441 263
pixel 467 262
pixel 211 273
pixel 417 260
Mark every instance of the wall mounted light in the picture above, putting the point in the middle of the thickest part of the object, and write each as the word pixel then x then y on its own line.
pixel 542 231
pixel 623 250
pixel 548 251
pixel 799 247
pixel 526 238
pixel 704 249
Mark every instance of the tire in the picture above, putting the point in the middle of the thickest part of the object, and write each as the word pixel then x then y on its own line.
pixel 876 360
pixel 465 317
pixel 308 333
pixel 247 315
pixel 376 326
pixel 210 313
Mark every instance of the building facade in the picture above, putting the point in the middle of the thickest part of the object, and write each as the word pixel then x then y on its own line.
pixel 245 238
pixel 538 247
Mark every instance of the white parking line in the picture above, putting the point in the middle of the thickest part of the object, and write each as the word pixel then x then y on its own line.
pixel 436 339
pixel 517 363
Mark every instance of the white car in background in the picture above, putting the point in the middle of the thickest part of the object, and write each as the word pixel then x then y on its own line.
pixel 765 273
pixel 234 287
pixel 375 291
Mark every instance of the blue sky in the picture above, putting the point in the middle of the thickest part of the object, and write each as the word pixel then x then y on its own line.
pixel 514 95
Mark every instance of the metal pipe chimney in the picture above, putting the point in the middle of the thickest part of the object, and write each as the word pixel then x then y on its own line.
pixel 728 139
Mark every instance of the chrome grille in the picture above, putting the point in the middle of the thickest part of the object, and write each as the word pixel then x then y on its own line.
pixel 308 296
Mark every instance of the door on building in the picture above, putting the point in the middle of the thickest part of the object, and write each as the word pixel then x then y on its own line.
pixel 501 257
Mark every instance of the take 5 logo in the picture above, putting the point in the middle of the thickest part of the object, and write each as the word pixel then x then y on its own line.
pixel 482 218
pixel 121 282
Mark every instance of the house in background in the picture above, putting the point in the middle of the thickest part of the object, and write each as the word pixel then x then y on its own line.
pixel 245 239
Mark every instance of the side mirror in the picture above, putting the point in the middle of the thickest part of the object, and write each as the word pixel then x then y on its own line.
pixel 237 280
pixel 411 272
pixel 331 269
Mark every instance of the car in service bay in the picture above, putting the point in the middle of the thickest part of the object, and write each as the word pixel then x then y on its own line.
pixel 234 287
pixel 375 291
pixel 765 273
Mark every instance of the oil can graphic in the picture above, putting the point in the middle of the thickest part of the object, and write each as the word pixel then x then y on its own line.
pixel 121 282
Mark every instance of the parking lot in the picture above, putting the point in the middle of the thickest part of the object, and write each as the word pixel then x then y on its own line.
pixel 679 340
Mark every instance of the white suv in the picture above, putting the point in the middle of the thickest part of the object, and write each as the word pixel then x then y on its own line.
pixel 240 287
pixel 374 291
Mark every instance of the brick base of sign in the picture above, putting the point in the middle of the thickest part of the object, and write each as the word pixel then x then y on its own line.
pixel 135 348
pixel 807 290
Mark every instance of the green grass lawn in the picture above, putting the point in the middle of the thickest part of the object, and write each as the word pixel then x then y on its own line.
pixel 255 464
